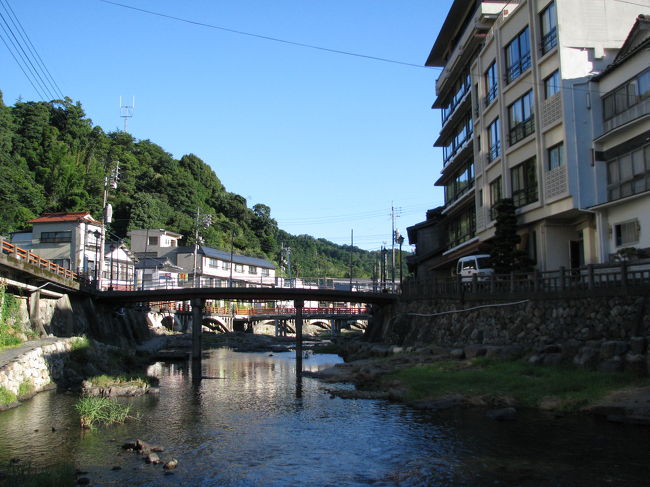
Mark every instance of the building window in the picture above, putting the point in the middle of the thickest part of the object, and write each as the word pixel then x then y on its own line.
pixel 549 28
pixel 462 182
pixel 65 263
pixel 627 95
pixel 555 156
pixel 552 84
pixel 627 233
pixel 491 83
pixel 239 268
pixel 153 241
pixel 524 183
pixel 521 122
pixel 213 263
pixel 629 174
pixel 494 140
pixel 56 237
pixel 265 272
pixel 252 270
pixel 518 56
pixel 495 195
pixel 460 89
pixel 225 266
pixel 461 134
pixel 462 228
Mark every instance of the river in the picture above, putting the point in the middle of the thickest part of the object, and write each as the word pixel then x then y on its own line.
pixel 247 423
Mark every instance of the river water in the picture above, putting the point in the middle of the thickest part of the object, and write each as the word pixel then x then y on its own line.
pixel 247 423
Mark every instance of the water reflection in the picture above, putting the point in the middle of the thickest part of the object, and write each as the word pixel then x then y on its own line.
pixel 248 423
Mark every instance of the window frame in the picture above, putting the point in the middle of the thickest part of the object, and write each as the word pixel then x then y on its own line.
pixel 626 95
pixel 619 233
pixel 491 78
pixel 494 140
pixel 552 84
pixel 548 28
pixel 64 236
pixel 521 118
pixel 523 183
pixel 554 163
pixel 518 58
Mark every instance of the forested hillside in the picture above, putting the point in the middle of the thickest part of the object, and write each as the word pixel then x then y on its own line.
pixel 52 158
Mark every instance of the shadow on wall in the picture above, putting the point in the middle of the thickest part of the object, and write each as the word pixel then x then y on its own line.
pixel 76 316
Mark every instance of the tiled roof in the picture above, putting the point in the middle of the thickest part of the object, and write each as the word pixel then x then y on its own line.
pixel 225 256
pixel 65 217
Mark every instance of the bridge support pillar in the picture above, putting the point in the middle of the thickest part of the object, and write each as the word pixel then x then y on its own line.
pixel 299 304
pixel 334 323
pixel 197 318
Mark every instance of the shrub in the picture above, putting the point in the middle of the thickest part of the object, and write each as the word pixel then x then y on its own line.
pixel 25 388
pixel 6 396
pixel 99 410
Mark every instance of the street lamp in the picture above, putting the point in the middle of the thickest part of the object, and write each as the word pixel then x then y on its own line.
pixel 400 241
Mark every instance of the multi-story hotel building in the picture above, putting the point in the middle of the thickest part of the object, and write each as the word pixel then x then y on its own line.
pixel 513 93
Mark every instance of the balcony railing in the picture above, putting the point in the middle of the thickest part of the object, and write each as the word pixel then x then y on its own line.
pixel 549 40
pixel 517 69
pixel 522 130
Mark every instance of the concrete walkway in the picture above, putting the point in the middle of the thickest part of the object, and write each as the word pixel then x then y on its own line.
pixel 11 354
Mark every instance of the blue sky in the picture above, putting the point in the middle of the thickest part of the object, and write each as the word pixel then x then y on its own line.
pixel 328 141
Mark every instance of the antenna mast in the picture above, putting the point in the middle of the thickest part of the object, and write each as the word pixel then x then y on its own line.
pixel 126 112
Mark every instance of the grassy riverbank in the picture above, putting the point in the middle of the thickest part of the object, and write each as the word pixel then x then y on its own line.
pixel 561 387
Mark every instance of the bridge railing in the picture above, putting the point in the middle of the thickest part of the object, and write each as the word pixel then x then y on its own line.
pixel 623 276
pixel 173 306
pixel 31 258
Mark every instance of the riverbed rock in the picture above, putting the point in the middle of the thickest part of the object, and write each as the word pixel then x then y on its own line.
pixel 171 464
pixel 153 458
pixel 502 414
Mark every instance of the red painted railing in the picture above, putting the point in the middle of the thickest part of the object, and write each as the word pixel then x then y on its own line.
pixel 31 258
pixel 226 311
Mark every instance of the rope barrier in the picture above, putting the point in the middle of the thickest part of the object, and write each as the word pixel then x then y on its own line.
pixel 427 315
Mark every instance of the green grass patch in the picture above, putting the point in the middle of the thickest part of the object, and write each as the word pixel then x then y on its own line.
pixel 122 380
pixel 527 384
pixel 99 410
pixel 330 348
pixel 26 475
pixel 25 388
pixel 6 396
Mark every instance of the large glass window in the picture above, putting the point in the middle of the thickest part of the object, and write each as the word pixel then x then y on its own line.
pixel 491 83
pixel 549 28
pixel 461 134
pixel 523 179
pixel 495 195
pixel 555 156
pixel 521 122
pixel 627 233
pixel 56 237
pixel 494 140
pixel 518 55
pixel 629 174
pixel 552 84
pixel 463 180
pixel 460 89
pixel 627 95
pixel 462 228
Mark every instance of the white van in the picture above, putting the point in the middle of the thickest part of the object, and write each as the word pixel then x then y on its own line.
pixel 471 265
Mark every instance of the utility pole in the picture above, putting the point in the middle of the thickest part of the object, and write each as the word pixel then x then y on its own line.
pixel 351 247
pixel 126 112
pixel 202 220
pixel 392 218
pixel 107 217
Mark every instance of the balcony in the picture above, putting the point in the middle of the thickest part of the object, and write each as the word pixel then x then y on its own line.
pixel 522 130
pixel 549 40
pixel 518 68
pixel 634 112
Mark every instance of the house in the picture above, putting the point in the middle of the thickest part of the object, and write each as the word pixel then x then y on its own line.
pixel 516 122
pixel 73 241
pixel 622 148
pixel 212 267
pixel 157 273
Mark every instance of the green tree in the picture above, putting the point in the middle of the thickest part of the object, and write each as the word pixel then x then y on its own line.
pixel 506 257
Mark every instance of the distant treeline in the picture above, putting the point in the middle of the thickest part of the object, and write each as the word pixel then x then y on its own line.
pixel 52 158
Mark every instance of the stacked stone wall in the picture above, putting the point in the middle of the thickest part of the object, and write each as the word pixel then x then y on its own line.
pixel 40 367
pixel 606 333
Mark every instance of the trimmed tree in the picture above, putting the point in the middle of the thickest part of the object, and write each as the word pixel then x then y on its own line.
pixel 506 257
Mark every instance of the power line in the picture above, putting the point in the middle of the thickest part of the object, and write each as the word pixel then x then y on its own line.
pixel 32 49
pixel 267 38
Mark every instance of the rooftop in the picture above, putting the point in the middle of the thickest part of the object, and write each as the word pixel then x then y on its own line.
pixel 82 216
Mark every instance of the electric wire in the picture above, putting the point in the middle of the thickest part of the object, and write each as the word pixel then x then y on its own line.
pixel 21 68
pixel 25 57
pixel 32 48
pixel 267 38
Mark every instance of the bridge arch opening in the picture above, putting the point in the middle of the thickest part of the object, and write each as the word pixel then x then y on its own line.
pixel 215 324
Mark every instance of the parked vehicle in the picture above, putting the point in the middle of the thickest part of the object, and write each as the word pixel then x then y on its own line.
pixel 470 265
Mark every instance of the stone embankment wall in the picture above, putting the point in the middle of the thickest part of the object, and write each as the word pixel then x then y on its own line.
pixel 605 333
pixel 38 368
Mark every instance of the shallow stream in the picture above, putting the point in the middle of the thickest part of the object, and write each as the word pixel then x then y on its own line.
pixel 247 423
